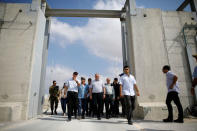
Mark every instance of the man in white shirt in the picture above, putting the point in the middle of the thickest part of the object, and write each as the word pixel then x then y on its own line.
pixel 173 91
pixel 109 98
pixel 97 94
pixel 127 85
pixel 72 95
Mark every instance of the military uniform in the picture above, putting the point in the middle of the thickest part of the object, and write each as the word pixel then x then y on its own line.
pixel 54 94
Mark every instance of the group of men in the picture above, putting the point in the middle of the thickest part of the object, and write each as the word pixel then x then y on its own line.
pixel 90 98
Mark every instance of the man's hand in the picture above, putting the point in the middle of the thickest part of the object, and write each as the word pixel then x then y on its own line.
pixel 65 96
pixel 137 93
pixel 171 86
pixel 192 91
pixel 121 96
pixel 118 98
pixel 90 97
pixel 103 96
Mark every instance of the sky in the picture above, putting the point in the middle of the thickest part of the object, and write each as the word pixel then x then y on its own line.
pixel 89 45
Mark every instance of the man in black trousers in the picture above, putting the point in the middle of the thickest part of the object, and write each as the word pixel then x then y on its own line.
pixel 116 87
pixel 127 86
pixel 173 91
pixel 72 95
pixel 97 94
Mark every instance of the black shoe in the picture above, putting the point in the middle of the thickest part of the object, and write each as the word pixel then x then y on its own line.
pixel 99 118
pixel 83 117
pixel 167 120
pixel 52 113
pixel 107 117
pixel 123 115
pixel 79 117
pixel 69 119
pixel 179 121
pixel 130 122
pixel 56 112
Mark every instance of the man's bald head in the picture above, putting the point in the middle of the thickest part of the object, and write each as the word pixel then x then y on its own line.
pixel 97 76
pixel 108 80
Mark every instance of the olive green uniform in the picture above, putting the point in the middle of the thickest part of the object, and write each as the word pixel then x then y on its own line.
pixel 54 94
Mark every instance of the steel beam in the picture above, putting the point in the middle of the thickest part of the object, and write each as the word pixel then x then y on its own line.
pixel 183 5
pixel 193 5
pixel 83 13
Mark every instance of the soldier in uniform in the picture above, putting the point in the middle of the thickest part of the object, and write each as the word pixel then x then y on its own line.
pixel 54 94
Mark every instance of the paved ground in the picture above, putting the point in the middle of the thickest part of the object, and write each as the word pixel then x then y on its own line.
pixel 59 123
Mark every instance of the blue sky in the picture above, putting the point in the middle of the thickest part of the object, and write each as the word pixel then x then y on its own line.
pixel 89 45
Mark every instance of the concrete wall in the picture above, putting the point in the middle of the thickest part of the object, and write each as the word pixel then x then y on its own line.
pixel 44 64
pixel 21 38
pixel 157 41
pixel 36 66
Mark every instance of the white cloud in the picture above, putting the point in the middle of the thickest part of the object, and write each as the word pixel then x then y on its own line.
pixel 62 73
pixel 114 71
pixel 102 37
pixel 59 73
pixel 109 4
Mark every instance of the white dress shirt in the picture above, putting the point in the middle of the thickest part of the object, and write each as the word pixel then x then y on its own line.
pixel 127 83
pixel 169 81
pixel 97 86
pixel 109 89
pixel 72 85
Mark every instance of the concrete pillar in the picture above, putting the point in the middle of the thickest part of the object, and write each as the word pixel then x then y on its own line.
pixel 44 63
pixel 21 54
pixel 155 40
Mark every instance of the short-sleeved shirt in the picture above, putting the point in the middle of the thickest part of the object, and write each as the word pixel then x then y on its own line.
pixel 72 85
pixel 195 72
pixel 82 91
pixel 109 89
pixel 97 86
pixel 169 80
pixel 128 82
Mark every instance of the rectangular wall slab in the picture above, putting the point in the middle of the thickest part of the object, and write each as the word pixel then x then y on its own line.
pixel 157 41
pixel 21 46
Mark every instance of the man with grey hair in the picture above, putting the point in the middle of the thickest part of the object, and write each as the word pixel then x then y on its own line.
pixel 109 99
pixel 97 94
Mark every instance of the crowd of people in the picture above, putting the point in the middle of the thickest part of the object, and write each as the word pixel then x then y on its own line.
pixel 83 99
pixel 89 99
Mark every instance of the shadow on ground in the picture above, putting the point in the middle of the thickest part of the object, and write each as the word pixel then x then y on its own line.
pixel 146 129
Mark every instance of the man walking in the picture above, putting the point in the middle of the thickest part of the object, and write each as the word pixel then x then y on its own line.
pixel 72 95
pixel 82 94
pixel 89 107
pixel 173 91
pixel 54 94
pixel 97 94
pixel 63 99
pixel 127 86
pixel 116 87
pixel 109 98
